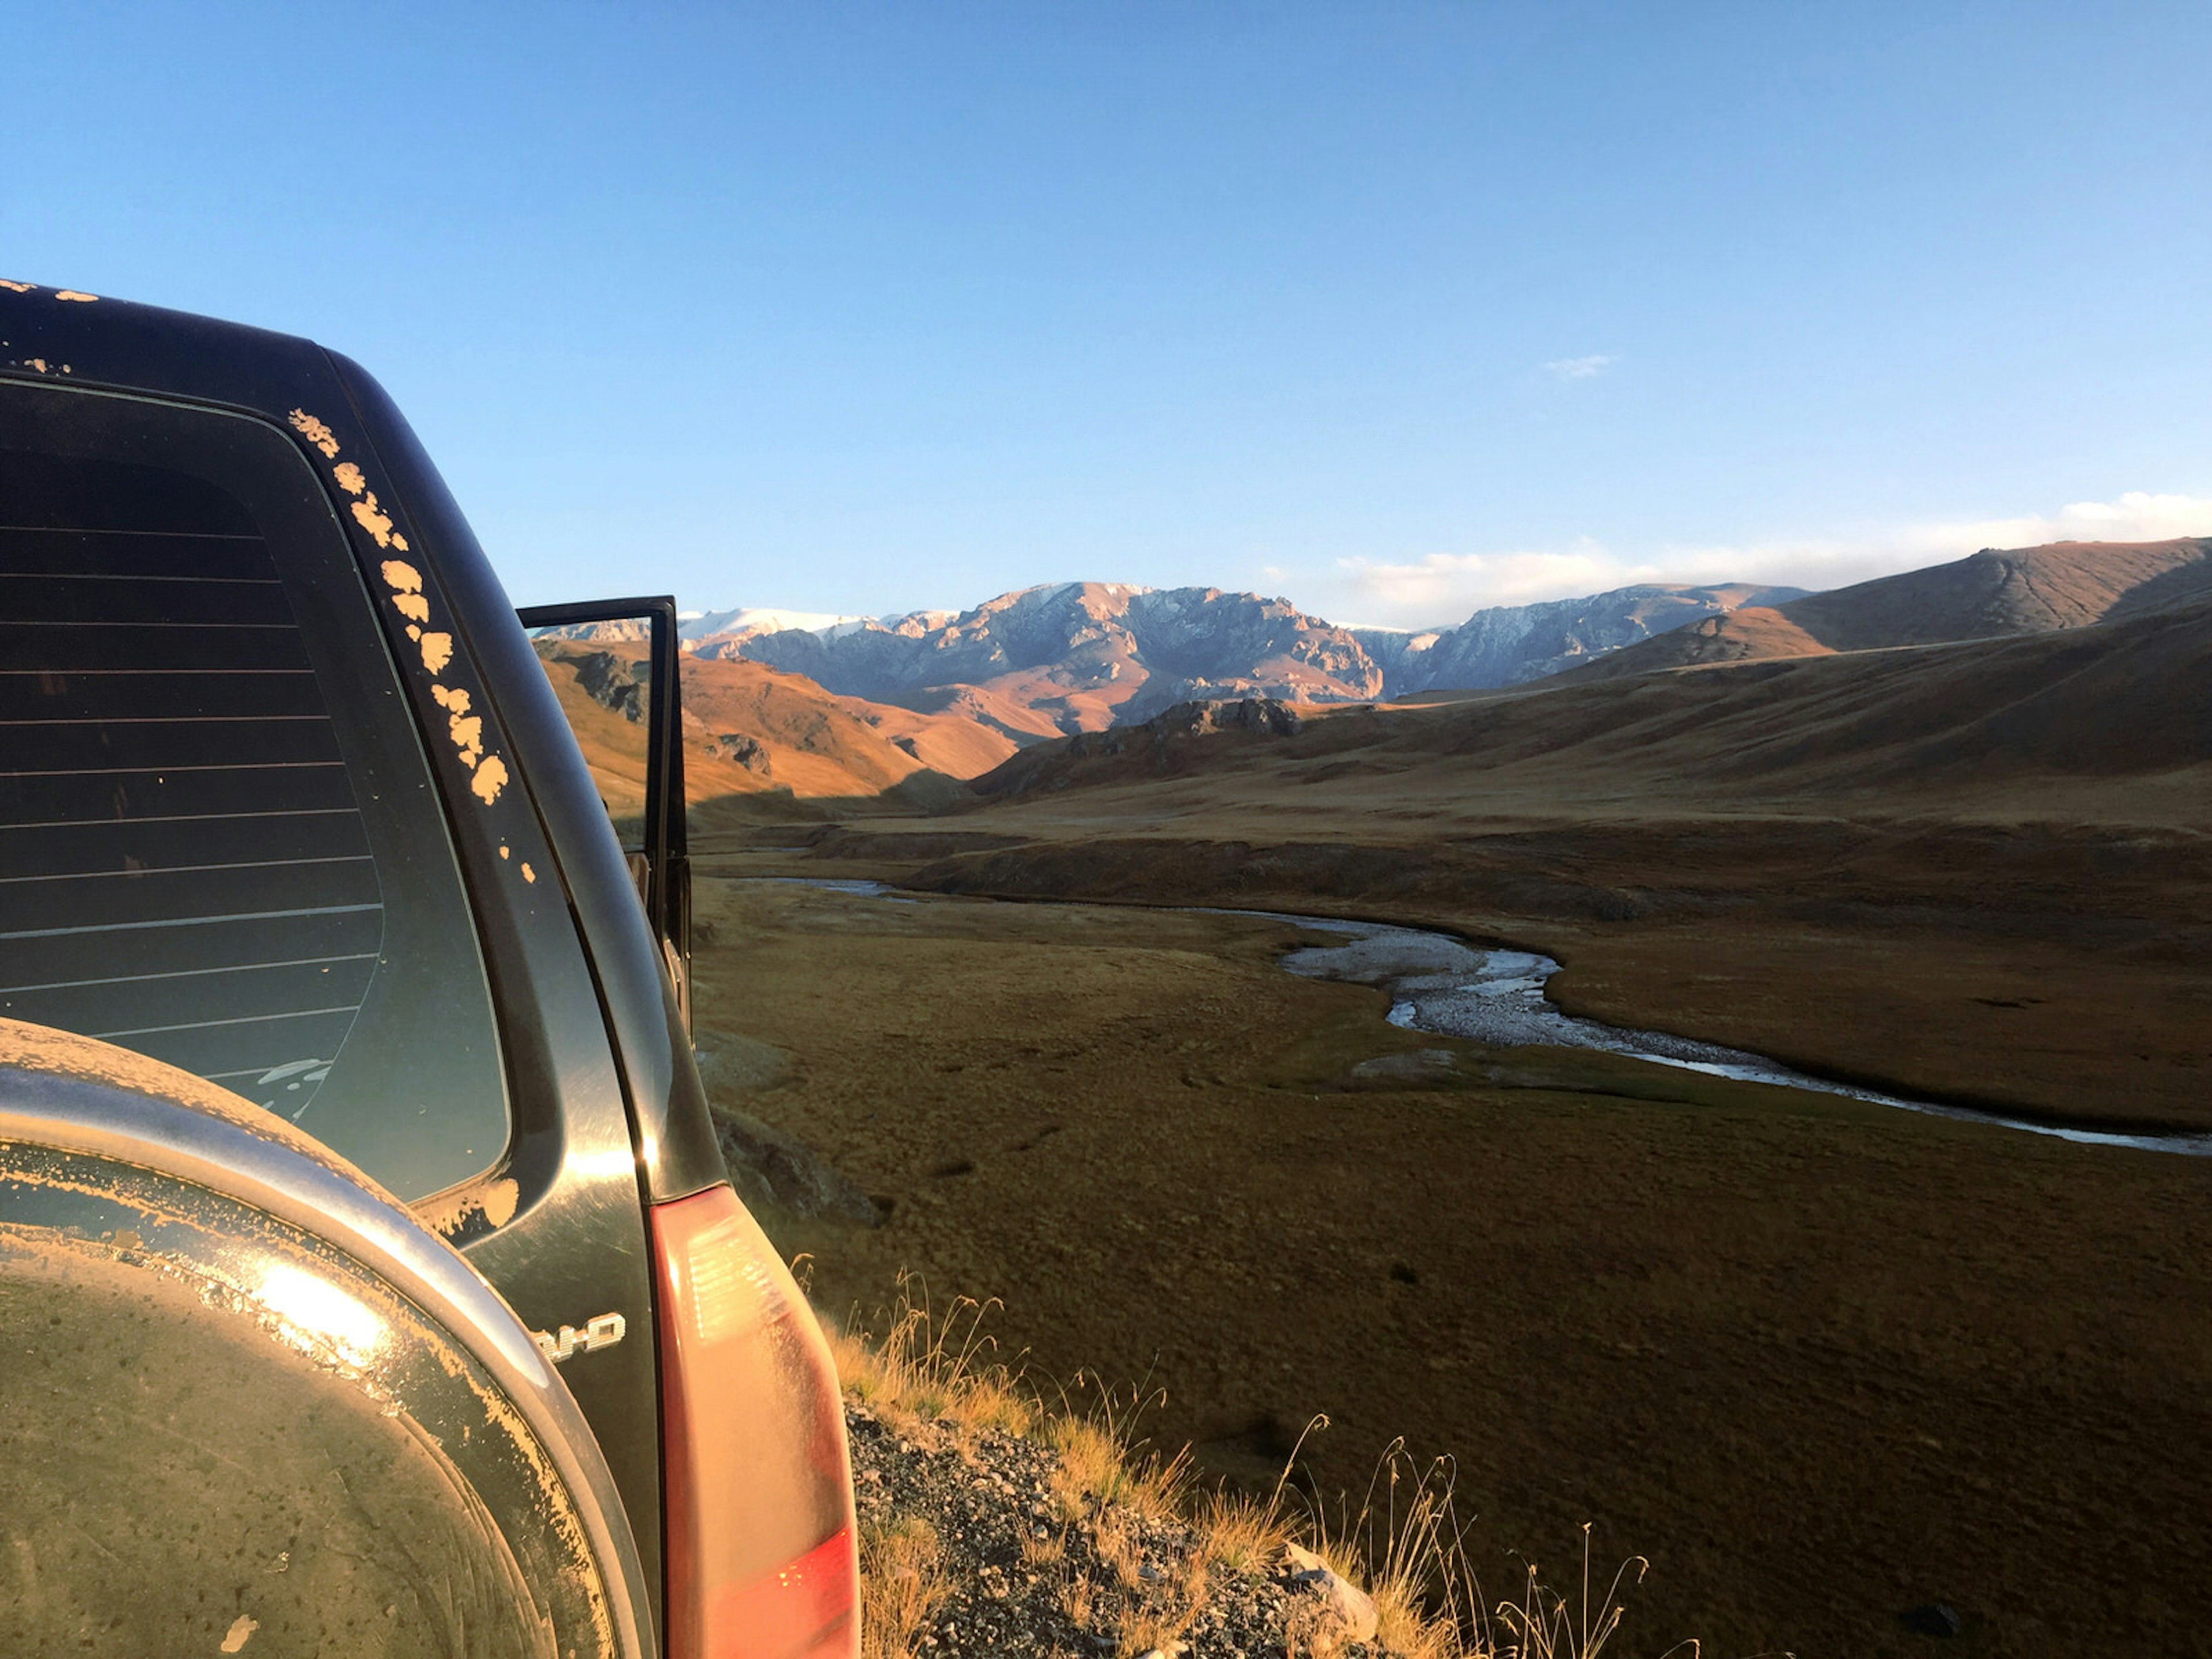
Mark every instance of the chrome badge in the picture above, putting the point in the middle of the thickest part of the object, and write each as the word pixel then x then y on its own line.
pixel 603 1332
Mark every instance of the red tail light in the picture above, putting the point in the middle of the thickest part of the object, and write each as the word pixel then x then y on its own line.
pixel 758 1489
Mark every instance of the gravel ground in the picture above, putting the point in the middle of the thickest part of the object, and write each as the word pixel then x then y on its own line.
pixel 1020 1577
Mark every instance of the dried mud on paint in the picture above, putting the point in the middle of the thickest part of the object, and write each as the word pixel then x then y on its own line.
pixel 447 1212
pixel 488 773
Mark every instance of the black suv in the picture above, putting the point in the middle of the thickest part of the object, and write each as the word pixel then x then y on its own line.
pixel 370 1279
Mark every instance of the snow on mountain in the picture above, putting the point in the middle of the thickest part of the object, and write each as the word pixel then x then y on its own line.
pixel 748 620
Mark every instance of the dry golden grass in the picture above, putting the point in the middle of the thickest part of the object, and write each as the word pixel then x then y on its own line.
pixel 1103 1466
pixel 1044 1552
pixel 902 1583
pixel 1162 1617
pixel 1236 1531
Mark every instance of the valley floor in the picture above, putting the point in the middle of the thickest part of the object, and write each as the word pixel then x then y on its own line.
pixel 1821 1361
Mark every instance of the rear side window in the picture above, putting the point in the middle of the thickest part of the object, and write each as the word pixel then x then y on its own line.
pixel 219 844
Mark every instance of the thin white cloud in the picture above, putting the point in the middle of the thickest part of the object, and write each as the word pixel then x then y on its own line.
pixel 1579 369
pixel 1447 586
pixel 1444 589
pixel 2137 516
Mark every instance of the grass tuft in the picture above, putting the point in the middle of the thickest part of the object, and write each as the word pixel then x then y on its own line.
pixel 928 1367
pixel 902 1583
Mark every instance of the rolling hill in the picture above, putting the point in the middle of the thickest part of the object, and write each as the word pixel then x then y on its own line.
pixel 2127 699
pixel 1990 594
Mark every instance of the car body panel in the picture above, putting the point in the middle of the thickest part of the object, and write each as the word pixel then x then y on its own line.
pixel 605 1103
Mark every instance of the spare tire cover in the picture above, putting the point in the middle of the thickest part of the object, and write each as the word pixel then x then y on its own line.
pixel 219 1434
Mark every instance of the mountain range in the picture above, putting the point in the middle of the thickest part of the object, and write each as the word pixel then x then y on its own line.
pixel 848 706
pixel 1072 657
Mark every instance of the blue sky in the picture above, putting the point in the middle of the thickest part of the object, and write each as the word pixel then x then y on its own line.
pixel 1393 310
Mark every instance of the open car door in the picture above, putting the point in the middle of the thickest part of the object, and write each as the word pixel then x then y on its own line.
pixel 613 664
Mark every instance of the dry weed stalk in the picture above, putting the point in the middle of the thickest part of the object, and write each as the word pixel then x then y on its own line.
pixel 1408 1546
pixel 1543 1626
pixel 926 1367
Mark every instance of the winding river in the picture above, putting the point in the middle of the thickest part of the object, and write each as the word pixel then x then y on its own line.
pixel 1495 996
pixel 1441 984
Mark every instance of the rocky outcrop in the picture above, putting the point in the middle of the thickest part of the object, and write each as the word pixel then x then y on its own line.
pixel 1158 744
pixel 750 753
pixel 1265 716
pixel 611 681
pixel 774 1171
pixel 1344 1611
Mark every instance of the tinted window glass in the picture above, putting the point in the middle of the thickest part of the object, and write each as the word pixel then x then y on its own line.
pixel 218 844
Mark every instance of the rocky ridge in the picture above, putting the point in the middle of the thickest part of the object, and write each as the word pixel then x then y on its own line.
pixel 1076 657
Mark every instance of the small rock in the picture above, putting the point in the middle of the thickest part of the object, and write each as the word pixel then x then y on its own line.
pixel 1351 1609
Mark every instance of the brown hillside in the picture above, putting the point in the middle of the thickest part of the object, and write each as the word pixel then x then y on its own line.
pixel 1993 594
pixel 1024 705
pixel 749 729
pixel 1732 636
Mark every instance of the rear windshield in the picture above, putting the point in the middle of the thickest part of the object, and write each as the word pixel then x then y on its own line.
pixel 219 845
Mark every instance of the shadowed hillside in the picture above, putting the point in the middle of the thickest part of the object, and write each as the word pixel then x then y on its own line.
pixel 1997 718
pixel 1989 595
